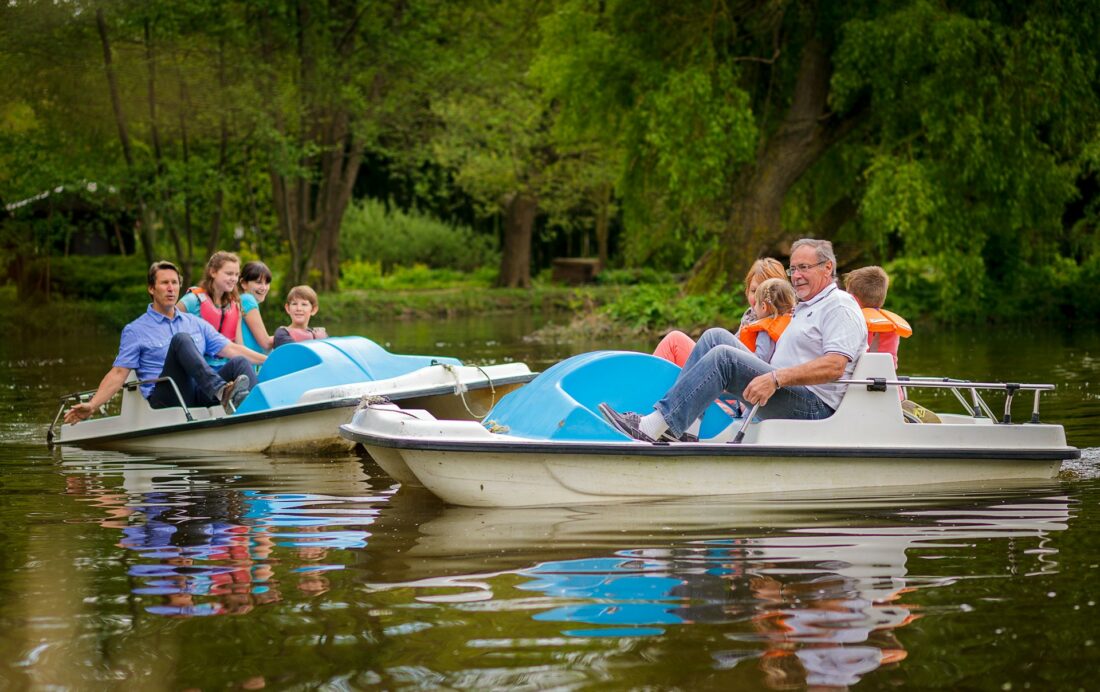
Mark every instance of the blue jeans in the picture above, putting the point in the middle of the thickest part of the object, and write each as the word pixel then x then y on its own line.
pixel 721 366
pixel 197 381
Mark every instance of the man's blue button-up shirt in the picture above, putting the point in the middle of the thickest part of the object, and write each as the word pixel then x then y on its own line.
pixel 144 343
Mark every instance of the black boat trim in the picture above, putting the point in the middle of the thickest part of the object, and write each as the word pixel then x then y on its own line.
pixel 704 449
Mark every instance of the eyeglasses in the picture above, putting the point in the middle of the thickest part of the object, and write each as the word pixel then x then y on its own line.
pixel 803 268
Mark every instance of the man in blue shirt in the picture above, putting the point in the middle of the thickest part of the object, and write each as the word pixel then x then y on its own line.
pixel 166 342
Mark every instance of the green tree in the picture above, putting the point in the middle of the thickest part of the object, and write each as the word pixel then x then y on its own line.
pixel 983 116
pixel 950 127
pixel 497 132
pixel 117 107
pixel 335 79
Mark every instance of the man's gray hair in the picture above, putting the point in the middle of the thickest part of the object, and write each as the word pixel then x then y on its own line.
pixel 823 249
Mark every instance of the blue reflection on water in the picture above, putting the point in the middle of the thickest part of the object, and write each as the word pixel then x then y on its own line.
pixel 638 597
pixel 211 550
pixel 820 605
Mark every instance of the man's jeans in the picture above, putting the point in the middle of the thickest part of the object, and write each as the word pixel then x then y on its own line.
pixel 721 366
pixel 196 380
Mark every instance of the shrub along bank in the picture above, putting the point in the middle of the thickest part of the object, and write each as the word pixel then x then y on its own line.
pixel 106 293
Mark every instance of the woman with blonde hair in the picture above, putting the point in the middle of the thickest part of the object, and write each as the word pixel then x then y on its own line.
pixel 676 346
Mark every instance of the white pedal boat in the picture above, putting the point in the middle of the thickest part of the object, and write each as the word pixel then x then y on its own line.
pixel 553 447
pixel 303 393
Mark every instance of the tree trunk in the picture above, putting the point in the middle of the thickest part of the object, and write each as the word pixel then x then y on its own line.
pixel 188 260
pixel 158 154
pixel 340 167
pixel 603 223
pixel 519 223
pixel 151 88
pixel 223 156
pixel 148 233
pixel 807 131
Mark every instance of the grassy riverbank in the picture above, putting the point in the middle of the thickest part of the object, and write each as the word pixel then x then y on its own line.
pixel 74 316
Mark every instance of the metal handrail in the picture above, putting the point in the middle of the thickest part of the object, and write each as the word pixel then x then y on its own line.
pixel 879 384
pixel 80 397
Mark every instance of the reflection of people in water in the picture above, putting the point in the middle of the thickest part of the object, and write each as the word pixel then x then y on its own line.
pixel 311 581
pixel 823 632
pixel 824 614
pixel 213 552
pixel 205 560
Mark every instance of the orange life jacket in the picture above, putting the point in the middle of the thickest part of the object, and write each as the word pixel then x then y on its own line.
pixel 883 321
pixel 225 320
pixel 774 327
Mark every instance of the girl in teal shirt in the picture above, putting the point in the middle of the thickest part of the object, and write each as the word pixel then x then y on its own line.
pixel 255 284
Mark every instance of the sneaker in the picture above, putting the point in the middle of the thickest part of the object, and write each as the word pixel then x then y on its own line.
pixel 628 423
pixel 666 436
pixel 234 393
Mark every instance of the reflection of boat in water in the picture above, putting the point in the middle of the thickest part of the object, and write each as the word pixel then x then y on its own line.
pixel 456 540
pixel 812 590
pixel 818 590
pixel 303 392
pixel 221 534
pixel 548 445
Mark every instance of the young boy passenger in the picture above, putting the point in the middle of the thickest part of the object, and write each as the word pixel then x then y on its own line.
pixel 301 304
pixel 868 285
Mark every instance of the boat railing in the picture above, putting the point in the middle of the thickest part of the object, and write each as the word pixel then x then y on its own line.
pixel 976 407
pixel 130 385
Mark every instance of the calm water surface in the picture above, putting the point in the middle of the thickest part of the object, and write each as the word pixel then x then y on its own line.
pixel 173 572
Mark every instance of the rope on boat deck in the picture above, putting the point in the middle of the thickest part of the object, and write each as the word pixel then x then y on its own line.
pixel 374 401
pixel 461 389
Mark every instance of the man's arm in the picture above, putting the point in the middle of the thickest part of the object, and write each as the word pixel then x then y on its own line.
pixel 231 349
pixel 108 387
pixel 827 368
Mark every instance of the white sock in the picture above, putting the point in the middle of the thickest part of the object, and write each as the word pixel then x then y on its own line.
pixel 694 427
pixel 653 425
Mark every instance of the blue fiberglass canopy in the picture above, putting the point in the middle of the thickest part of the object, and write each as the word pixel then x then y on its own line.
pixel 293 369
pixel 563 402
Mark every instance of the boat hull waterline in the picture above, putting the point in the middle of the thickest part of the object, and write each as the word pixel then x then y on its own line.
pixel 477 477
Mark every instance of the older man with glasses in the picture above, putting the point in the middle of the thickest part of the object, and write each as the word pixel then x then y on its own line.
pixel 825 338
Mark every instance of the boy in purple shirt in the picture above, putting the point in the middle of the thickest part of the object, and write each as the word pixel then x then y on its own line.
pixel 166 342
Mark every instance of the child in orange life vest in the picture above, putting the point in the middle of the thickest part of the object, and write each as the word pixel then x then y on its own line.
pixel 216 299
pixel 775 299
pixel 868 286
pixel 301 304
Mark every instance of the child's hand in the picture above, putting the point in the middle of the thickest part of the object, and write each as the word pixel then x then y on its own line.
pixel 319 333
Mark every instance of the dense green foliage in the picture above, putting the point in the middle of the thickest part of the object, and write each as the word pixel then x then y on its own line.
pixel 662 306
pixel 373 231
pixel 956 143
pixel 958 135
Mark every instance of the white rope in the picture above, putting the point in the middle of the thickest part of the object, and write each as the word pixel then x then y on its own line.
pixel 461 389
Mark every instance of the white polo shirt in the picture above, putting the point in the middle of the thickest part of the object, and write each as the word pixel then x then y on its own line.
pixel 830 322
